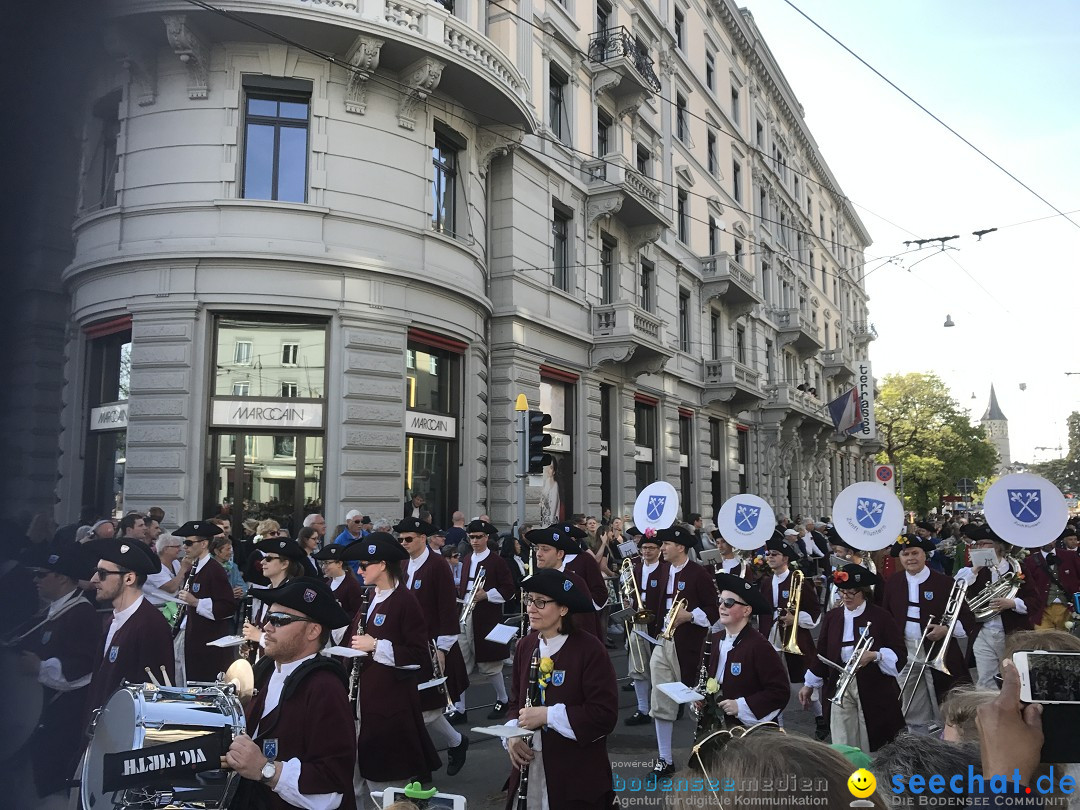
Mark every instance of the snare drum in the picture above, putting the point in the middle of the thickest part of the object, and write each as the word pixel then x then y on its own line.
pixel 151 717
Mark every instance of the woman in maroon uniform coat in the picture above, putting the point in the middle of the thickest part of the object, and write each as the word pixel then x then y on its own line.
pixel 299 750
pixel 210 606
pixel 574 703
pixel 61 650
pixel 393 746
pixel 870 715
pixel 347 590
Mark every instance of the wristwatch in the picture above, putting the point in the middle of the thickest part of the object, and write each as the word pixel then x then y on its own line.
pixel 268 771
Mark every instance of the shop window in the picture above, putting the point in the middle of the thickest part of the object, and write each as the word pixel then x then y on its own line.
pixel 260 358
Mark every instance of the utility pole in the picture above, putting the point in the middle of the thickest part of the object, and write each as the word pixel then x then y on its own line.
pixel 522 409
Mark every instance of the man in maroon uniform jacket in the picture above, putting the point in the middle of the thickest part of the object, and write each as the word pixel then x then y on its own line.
pixel 1054 576
pixel 210 607
pixel 61 650
pixel 554 545
pixel 138 636
pixel 679 658
pixel 427 576
pixel 776 623
pixel 752 681
pixel 486 656
pixel 912 595
pixel 650 574
pixel 587 568
pixel 870 715
pixel 299 750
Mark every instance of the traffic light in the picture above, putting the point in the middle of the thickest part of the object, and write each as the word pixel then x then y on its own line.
pixel 538 440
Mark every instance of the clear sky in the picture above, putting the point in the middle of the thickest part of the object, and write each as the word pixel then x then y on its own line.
pixel 1006 76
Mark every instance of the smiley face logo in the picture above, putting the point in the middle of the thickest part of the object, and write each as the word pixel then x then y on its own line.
pixel 861 783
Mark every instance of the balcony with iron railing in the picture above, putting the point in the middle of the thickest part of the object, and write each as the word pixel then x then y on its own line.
pixel 784 396
pixel 724 278
pixel 621 68
pixel 629 336
pixel 835 364
pixel 794 329
pixel 728 380
pixel 863 332
pixel 420 43
pixel 618 189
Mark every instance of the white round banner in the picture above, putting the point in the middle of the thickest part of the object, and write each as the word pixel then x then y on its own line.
pixel 868 516
pixel 1026 510
pixel 746 521
pixel 656 506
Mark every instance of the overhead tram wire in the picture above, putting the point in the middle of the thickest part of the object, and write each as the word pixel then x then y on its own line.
pixel 395 85
pixel 910 98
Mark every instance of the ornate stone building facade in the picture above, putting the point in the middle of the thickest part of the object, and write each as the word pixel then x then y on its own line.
pixel 315 261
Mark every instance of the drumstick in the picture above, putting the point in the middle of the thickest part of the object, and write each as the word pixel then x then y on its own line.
pixel 152 678
pixel 165 675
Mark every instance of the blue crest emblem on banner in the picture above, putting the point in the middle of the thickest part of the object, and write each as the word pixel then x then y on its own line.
pixel 557 677
pixel 270 748
pixel 655 507
pixel 1025 504
pixel 113 652
pixel 46 636
pixel 195 587
pixel 869 512
pixel 746 517
pixel 380 618
pixel 682 586
pixel 928 595
pixel 416 585
pixel 567 585
pixel 736 668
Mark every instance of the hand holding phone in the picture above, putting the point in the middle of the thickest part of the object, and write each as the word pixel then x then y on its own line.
pixel 1010 735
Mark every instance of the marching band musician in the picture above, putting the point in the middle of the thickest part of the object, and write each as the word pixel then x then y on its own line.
pixel 679 658
pixel 282 560
pixel 138 637
pixel 730 561
pixel 574 703
pixel 393 746
pixel 1054 575
pixel 347 590
pixel 60 650
pixel 211 607
pixel 554 544
pixel 485 656
pixel 988 637
pixel 752 680
pixel 775 622
pixel 870 715
pixel 844 550
pixel 428 577
pixel 586 567
pixel 912 596
pixel 299 750
pixel 650 573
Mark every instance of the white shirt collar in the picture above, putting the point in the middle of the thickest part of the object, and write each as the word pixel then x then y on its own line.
pixel 335 582
pixel 550 648
pixel 121 616
pixel 856 612
pixel 63 601
pixel 481 556
pixel 285 670
pixel 919 578
pixel 414 564
pixel 675 570
pixel 569 558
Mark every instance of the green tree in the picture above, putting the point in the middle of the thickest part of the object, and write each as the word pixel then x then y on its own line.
pixel 1064 473
pixel 925 431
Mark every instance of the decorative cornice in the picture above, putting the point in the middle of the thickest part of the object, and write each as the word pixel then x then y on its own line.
pixel 193 52
pixel 419 80
pixel 363 57
pixel 139 60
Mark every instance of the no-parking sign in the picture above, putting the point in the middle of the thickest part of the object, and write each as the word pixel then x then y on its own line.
pixel 885 474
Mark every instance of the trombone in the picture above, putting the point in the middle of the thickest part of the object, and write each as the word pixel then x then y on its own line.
pixel 934 657
pixel 794 602
pixel 848 671
pixel 631 600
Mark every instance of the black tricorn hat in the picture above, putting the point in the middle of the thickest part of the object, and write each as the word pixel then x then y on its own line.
pixel 282 546
pixel 130 554
pixel 854 576
pixel 744 589
pixel 376 547
pixel 309 596
pixel 558 586
pixel 414 525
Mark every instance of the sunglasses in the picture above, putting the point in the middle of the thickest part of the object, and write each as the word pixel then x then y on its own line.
pixel 101 573
pixel 193 542
pixel 364 565
pixel 268 558
pixel 282 619
pixel 730 602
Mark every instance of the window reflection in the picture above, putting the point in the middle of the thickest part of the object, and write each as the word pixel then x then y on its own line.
pixel 270 359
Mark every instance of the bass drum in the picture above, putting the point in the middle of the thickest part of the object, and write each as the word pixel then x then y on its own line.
pixel 138 717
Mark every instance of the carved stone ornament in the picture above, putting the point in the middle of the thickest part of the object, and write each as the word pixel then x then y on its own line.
pixel 193 52
pixel 630 104
pixel 641 236
pixel 419 80
pixel 363 58
pixel 602 206
pixel 494 142
pixel 606 79
pixel 138 59
pixel 668 62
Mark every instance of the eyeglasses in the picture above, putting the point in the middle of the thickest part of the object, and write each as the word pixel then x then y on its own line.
pixel 719 739
pixel 730 602
pixel 539 604
pixel 101 573
pixel 282 619
pixel 357 521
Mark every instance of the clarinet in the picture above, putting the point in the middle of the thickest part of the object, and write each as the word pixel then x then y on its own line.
pixel 181 612
pixel 354 670
pixel 702 686
pixel 523 781
pixel 249 649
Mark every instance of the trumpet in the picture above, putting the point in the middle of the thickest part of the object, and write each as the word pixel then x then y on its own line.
pixel 848 671
pixel 668 632
pixel 1007 586
pixel 794 602
pixel 934 657
pixel 470 603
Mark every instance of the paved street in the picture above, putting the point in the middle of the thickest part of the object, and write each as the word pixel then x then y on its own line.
pixel 632 749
